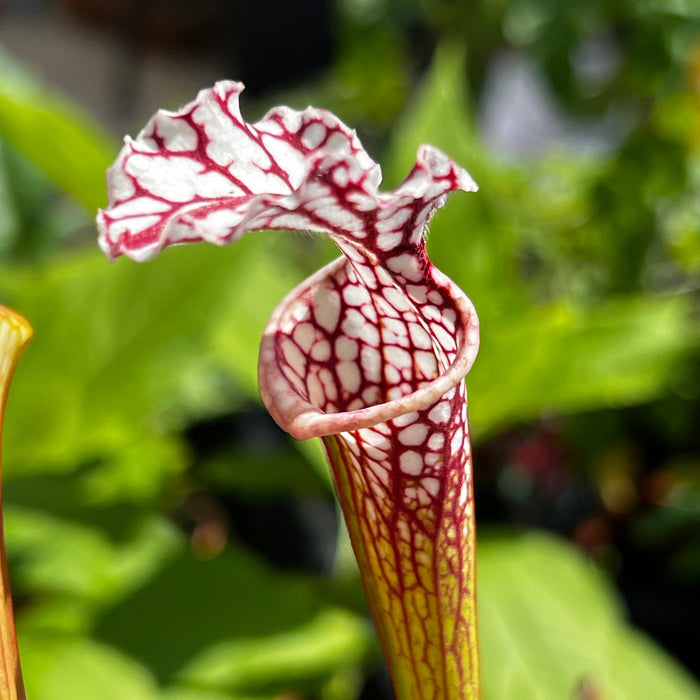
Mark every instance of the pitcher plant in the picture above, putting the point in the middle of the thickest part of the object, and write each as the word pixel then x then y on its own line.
pixel 369 353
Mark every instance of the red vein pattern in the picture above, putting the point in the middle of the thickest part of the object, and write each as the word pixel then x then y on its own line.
pixel 349 344
pixel 369 353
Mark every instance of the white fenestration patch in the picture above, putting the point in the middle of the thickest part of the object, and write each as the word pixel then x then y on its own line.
pixel 398 299
pixel 294 357
pixel 120 186
pixel 431 313
pixel 349 376
pixel 346 348
pixel 326 309
pixel 417 292
pixel 413 435
pixel 304 335
pixel 177 134
pixel 392 220
pixel 362 202
pixel 426 363
pixel 329 387
pixel 180 231
pixel 313 135
pixel 337 143
pixel 209 227
pixel 397 358
pixel 419 336
pixel 341 177
pixel 394 332
pixel 134 224
pixel 175 178
pixel 289 158
pixel 440 413
pixel 321 351
pixel 219 130
pixel 436 441
pixel 317 396
pixel 432 459
pixel 411 463
pixel 463 493
pixel 447 342
pixel 290 118
pixel 406 419
pixel 371 395
pixel 391 374
pixel 371 361
pixel 389 241
pixel 355 295
pixel 353 323
pixel 380 472
pixel 431 485
pixel 435 297
pixel 457 440
pixel 406 265
pixel 369 334
pixel 139 206
pixel 376 439
pixel 291 222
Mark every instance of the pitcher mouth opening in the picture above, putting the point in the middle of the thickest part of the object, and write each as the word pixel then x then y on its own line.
pixel 289 400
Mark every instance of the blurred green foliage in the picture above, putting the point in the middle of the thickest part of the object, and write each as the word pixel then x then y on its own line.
pixel 581 268
pixel 572 637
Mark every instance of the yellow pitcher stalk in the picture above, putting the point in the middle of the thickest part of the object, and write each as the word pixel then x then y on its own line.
pixel 15 334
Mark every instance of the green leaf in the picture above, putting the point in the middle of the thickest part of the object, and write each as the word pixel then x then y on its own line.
pixel 179 693
pixel 84 561
pixel 81 669
pixel 34 221
pixel 70 149
pixel 570 353
pixel 232 624
pixel 332 639
pixel 265 467
pixel 559 359
pixel 122 352
pixel 549 621
pixel 468 239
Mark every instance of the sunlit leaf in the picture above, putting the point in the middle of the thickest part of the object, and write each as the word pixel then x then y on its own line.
pixel 124 350
pixel 333 639
pixel 549 621
pixel 95 562
pixel 82 669
pixel 561 360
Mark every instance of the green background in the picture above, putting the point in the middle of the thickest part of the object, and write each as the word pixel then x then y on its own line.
pixel 132 580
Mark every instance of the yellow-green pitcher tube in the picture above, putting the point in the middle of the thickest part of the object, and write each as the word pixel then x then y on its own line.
pixel 15 334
